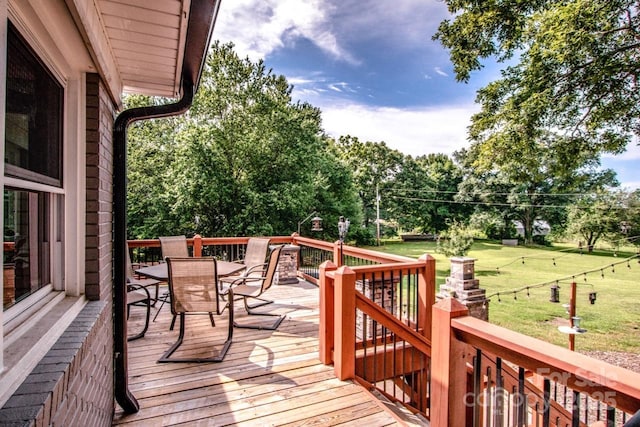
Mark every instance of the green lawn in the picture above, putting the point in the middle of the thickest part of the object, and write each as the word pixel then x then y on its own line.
pixel 613 322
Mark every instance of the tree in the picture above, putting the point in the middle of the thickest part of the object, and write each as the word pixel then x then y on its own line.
pixel 422 196
pixel 245 159
pixel 596 216
pixel 613 215
pixel 536 185
pixel 575 71
pixel 457 240
pixel 374 167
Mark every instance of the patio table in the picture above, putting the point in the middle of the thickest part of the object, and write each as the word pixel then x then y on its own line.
pixel 160 271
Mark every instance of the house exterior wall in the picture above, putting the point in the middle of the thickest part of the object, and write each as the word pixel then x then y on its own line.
pixel 73 384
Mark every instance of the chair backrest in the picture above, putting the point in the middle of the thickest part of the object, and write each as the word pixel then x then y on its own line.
pixel 174 246
pixel 193 284
pixel 272 266
pixel 256 251
pixel 129 266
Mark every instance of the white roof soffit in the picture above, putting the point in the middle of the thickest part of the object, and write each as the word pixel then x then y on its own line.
pixel 139 45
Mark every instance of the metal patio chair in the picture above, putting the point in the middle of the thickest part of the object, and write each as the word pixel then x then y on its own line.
pixel 254 286
pixel 193 286
pixel 254 260
pixel 138 295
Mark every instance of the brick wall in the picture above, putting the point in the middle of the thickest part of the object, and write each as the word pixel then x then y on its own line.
pixel 99 168
pixel 73 384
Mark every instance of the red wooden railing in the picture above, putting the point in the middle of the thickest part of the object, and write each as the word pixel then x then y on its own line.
pixel 437 360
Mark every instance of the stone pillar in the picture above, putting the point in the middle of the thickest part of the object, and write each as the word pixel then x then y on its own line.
pixel 462 286
pixel 287 272
pixel 385 294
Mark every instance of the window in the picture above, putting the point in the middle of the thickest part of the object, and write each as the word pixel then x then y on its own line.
pixel 33 118
pixel 26 244
pixel 33 157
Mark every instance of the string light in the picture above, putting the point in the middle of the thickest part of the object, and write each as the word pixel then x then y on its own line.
pixel 569 251
pixel 584 274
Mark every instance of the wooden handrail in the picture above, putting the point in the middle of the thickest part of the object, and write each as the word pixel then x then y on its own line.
pixel 380 315
pixel 609 383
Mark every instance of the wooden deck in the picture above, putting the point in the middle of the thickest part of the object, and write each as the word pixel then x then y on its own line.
pixel 267 378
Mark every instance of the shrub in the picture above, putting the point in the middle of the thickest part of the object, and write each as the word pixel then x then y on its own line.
pixel 458 240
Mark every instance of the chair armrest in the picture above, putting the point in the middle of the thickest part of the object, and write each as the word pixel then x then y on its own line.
pixel 135 289
pixel 236 280
pixel 262 268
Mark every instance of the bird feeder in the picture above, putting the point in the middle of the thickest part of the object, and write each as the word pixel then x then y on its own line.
pixel 592 297
pixel 555 293
pixel 316 223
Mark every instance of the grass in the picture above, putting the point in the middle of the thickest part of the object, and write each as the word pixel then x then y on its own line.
pixel 612 323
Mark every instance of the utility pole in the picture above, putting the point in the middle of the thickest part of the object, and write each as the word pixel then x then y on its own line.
pixel 377 215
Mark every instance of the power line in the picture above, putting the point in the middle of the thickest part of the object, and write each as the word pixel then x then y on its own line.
pixel 511 205
pixel 490 193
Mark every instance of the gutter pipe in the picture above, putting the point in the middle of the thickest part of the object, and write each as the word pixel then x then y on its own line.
pixel 123 395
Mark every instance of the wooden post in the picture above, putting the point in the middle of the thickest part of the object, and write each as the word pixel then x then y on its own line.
pixel 197 246
pixel 426 294
pixel 448 367
pixel 327 308
pixel 344 359
pixel 337 253
pixel 572 313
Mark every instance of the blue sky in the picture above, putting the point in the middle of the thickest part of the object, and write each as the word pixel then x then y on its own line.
pixel 373 70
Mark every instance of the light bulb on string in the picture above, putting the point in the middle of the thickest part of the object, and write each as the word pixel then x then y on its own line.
pixel 515 296
pixel 602 273
pixel 528 294
pixel 523 260
pixel 628 264
pixel 498 295
pixel 613 268
pixel 554 261
pixel 585 277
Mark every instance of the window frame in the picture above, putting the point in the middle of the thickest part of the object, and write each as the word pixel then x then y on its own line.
pixel 16 178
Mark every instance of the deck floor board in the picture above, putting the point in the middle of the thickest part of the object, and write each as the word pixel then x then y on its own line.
pixel 267 378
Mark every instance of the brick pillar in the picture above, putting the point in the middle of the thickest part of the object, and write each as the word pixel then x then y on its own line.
pixel 462 286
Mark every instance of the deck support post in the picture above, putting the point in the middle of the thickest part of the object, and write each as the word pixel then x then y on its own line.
pixel 426 295
pixel 337 253
pixel 327 308
pixel 197 246
pixel 448 367
pixel 344 362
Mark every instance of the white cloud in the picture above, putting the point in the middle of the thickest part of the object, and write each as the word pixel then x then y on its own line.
pixel 439 71
pixel 415 131
pixel 259 27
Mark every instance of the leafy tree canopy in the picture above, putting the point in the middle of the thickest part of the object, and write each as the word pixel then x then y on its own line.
pixel 245 159
pixel 574 71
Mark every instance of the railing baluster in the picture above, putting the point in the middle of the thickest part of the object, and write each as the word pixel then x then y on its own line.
pixel 546 414
pixel 586 409
pixel 498 416
pixel 477 386
pixel 489 399
pixel 575 417
pixel 611 416
pixel 522 399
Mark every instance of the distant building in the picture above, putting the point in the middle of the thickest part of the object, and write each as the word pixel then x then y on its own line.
pixel 540 228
